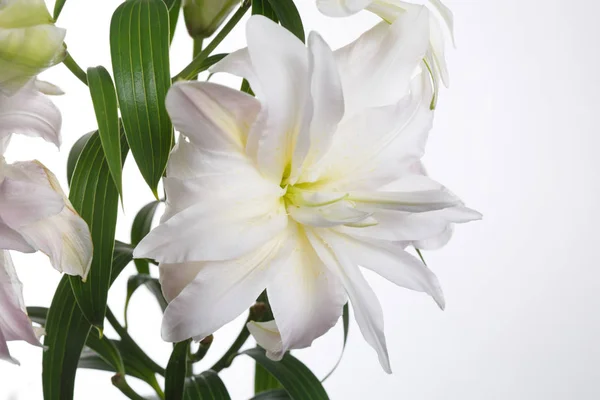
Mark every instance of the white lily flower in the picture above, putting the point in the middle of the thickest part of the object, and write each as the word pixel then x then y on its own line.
pixel 390 11
pixel 36 215
pixel 14 322
pixel 293 190
pixel 29 42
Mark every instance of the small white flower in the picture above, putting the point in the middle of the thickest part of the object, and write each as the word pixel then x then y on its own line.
pixel 29 42
pixel 392 10
pixel 295 189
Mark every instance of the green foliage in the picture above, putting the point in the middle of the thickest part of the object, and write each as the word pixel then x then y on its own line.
pixel 66 333
pixel 294 376
pixel 139 43
pixel 206 386
pixel 96 198
pixel 142 223
pixel 136 281
pixel 102 91
pixel 177 371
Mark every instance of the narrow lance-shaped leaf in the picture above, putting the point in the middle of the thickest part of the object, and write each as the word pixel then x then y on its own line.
pixel 106 108
pixel 66 333
pixel 206 386
pixel 177 371
pixel 135 281
pixel 288 15
pixel 142 223
pixel 294 376
pixel 74 154
pixel 95 197
pixel 139 43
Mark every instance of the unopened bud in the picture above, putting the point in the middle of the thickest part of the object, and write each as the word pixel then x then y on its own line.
pixel 203 17
pixel 29 42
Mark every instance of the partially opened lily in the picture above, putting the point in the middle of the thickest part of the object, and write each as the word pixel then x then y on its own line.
pixel 35 214
pixel 29 42
pixel 294 190
pixel 390 11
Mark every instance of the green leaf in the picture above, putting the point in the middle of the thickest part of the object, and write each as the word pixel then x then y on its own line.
pixel 288 15
pixel 346 324
pixel 75 153
pixel 95 197
pixel 102 91
pixel 135 281
pixel 263 380
pixel 294 376
pixel 263 7
pixel 134 367
pixel 206 386
pixel 139 44
pixel 279 394
pixel 173 6
pixel 66 333
pixel 177 371
pixel 58 6
pixel 142 223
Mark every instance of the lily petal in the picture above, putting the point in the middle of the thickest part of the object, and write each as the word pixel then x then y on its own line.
pixel 307 299
pixel 214 117
pixel 61 234
pixel 379 145
pixel 391 262
pixel 219 293
pixel 23 203
pixel 268 337
pixel 365 304
pixel 14 322
pixel 13 240
pixel 328 108
pixel 338 213
pixel 228 229
pixel 376 69
pixel 29 112
pixel 281 69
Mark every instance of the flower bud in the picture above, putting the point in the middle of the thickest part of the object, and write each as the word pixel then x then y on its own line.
pixel 203 17
pixel 29 42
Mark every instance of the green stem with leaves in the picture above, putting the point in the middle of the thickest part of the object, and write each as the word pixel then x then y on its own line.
pixel 196 65
pixel 129 341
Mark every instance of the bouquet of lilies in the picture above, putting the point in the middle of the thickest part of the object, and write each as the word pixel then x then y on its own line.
pixel 277 192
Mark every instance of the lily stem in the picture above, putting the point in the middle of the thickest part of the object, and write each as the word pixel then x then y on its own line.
pixel 256 313
pixel 72 65
pixel 196 65
pixel 134 346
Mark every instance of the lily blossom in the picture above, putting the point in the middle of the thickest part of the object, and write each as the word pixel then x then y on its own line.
pixel 294 190
pixel 35 213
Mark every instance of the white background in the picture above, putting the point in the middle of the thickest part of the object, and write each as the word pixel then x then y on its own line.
pixel 515 136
